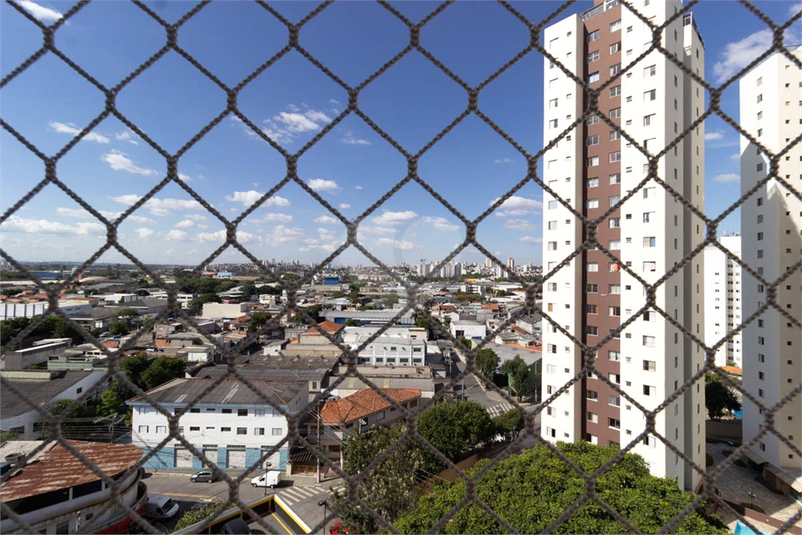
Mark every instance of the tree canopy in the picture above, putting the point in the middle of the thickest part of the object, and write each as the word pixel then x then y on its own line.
pixel 719 398
pixel 162 370
pixel 51 327
pixel 532 489
pixel 487 362
pixel 455 428
pixel 118 328
pixel 518 372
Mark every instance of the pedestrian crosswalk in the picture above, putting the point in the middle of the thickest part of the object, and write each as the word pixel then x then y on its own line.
pixel 499 409
pixel 293 495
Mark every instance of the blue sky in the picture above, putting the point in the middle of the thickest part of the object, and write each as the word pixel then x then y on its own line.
pixel 292 101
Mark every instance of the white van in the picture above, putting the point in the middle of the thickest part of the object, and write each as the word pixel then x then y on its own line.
pixel 160 507
pixel 270 479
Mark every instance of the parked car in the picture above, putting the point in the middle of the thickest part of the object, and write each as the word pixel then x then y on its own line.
pixel 160 507
pixel 270 479
pixel 204 476
pixel 237 526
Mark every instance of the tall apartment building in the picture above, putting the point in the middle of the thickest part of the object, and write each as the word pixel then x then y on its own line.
pixel 771 222
pixel 591 168
pixel 722 302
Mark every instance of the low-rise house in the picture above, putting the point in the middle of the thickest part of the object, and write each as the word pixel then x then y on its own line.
pixel 472 330
pixel 53 491
pixel 99 318
pixel 42 388
pixel 224 311
pixel 38 353
pixel 414 377
pixel 369 317
pixel 232 425
pixel 392 351
pixel 312 343
pixel 358 413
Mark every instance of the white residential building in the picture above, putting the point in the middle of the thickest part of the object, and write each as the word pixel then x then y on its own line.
pixel 723 300
pixel 230 424
pixel 771 223
pixel 591 167
pixel 393 350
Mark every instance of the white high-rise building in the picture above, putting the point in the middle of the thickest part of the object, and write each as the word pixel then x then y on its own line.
pixel 723 300
pixel 771 223
pixel 592 168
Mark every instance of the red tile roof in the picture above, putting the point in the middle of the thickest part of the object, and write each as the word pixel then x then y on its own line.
pixel 328 326
pixel 363 403
pixel 732 370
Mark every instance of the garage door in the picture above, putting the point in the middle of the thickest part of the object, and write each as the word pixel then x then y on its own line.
pixel 274 460
pixel 183 458
pixel 210 454
pixel 236 459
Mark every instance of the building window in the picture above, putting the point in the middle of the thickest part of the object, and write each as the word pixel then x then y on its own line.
pixel 592 395
pixel 161 429
pixel 593 203
pixel 615 26
pixel 615 222
pixel 593 36
pixel 592 288
pixel 615 48
pixel 259 431
pixel 592 140
pixel 614 423
pixel 648 390
pixel 242 412
pixel 591 309
pixel 222 429
pixel 615 289
pixel 614 199
pixel 651 70
pixel 615 401
pixel 647 216
pixel 593 182
pixel 277 431
pixel 649 365
pixel 593 267
pixel 615 113
pixel 553 124
pixel 142 429
pixel 593 417
pixel 592 119
pixel 614 356
pixel 615 91
pixel 615 156
pixel 614 311
pixel 593 161
pixel 593 56
pixel 649 241
pixel 650 95
pixel 593 77
pixel 591 330
pixel 615 178
pixel 647 119
pixel 648 341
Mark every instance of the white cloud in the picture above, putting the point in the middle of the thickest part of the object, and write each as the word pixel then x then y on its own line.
pixel 120 162
pixel 530 239
pixel 735 157
pixel 517 206
pixel 727 178
pixel 158 206
pixel 126 135
pixel 41 13
pixel 395 218
pixel 144 233
pixel 247 198
pixel 504 160
pixel 325 220
pixel 44 226
pixel 357 187
pixel 277 200
pixel 196 217
pixel 713 135
pixel 284 234
pixel 80 213
pixel 739 54
pixel 185 223
pixel 349 139
pixel 176 235
pixel 323 243
pixel 344 206
pixel 334 101
pixel 317 116
pixel 375 230
pixel 793 9
pixel 397 244
pixel 441 223
pixel 519 224
pixel 184 178
pixel 274 217
pixel 73 130
pixel 320 184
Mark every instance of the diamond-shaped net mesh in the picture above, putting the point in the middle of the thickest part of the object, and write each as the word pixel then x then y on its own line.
pixel 349 360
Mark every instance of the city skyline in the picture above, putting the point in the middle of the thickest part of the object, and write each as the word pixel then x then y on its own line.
pixel 351 167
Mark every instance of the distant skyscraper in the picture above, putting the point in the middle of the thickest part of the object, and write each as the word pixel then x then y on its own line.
pixel 722 300
pixel 771 222
pixel 592 168
pixel 488 263
pixel 457 269
pixel 511 264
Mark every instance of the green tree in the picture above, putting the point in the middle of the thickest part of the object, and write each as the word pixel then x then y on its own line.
pixel 133 367
pixel 128 313
pixel 112 400
pixel 7 436
pixel 531 490
pixel 198 515
pixel 162 370
pixel 518 372
pixel 11 328
pixel 719 398
pixel 487 362
pixel 454 428
pixel 118 328
pixel 388 488
pixel 509 424
pixel 257 320
pixel 351 322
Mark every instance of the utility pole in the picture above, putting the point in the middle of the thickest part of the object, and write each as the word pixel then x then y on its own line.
pixel 318 441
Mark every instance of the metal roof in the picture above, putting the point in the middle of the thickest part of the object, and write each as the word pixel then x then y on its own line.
pixel 227 392
pixel 58 468
pixel 267 374
pixel 40 391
